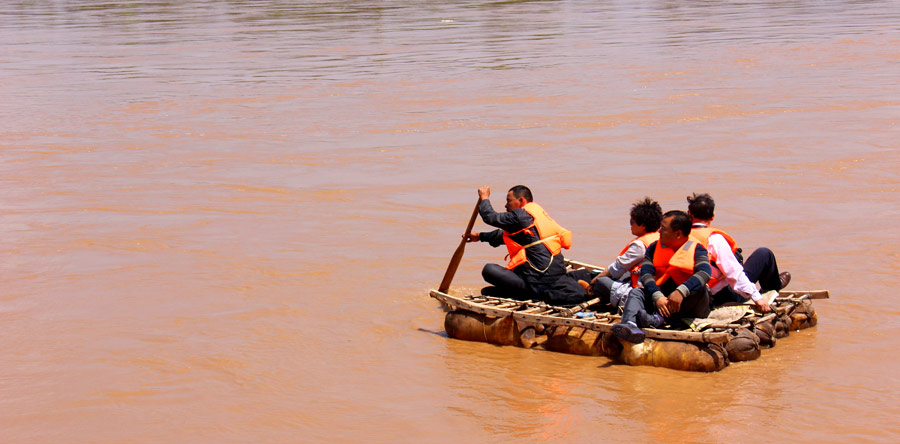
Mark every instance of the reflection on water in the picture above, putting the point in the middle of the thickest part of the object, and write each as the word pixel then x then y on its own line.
pixel 220 218
pixel 285 42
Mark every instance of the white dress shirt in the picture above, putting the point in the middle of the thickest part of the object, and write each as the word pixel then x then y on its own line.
pixel 727 265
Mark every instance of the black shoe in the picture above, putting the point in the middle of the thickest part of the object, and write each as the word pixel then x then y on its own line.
pixel 628 332
pixel 648 320
pixel 785 278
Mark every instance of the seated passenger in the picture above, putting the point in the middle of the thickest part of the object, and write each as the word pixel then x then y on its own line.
pixel 613 284
pixel 730 281
pixel 674 274
pixel 536 268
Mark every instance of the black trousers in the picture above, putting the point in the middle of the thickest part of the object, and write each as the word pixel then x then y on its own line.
pixel 694 305
pixel 561 289
pixel 760 267
pixel 509 283
pixel 602 288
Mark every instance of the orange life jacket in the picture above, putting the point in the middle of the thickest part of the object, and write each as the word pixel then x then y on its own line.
pixel 702 234
pixel 646 239
pixel 549 232
pixel 677 265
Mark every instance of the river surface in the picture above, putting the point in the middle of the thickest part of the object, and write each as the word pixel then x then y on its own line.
pixel 219 220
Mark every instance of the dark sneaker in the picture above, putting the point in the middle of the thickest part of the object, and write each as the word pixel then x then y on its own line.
pixel 785 278
pixel 647 320
pixel 627 331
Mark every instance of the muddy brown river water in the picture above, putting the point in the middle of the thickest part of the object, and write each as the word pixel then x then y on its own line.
pixel 220 219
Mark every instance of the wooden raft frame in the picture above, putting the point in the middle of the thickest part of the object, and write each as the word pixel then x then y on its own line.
pixel 536 312
pixel 532 312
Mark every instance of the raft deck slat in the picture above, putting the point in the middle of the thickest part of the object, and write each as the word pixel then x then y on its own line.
pixel 579 265
pixel 532 310
pixel 765 318
pixel 811 294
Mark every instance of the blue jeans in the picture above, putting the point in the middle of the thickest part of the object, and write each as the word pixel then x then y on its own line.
pixel 694 305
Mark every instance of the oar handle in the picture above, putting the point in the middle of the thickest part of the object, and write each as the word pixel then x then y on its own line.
pixel 472 219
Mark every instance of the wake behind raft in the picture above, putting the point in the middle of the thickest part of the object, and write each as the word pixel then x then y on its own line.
pixel 730 334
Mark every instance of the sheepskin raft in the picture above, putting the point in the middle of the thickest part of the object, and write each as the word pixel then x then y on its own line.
pixel 730 333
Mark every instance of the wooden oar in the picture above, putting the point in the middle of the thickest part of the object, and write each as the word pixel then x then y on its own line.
pixel 458 254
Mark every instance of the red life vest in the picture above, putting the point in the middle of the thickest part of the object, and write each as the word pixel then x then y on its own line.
pixel 549 232
pixel 702 234
pixel 675 265
pixel 646 239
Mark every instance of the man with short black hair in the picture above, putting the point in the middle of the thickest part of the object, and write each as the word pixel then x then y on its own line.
pixel 674 274
pixel 536 267
pixel 732 281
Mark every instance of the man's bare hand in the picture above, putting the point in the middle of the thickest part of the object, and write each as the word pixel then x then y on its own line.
pixel 763 305
pixel 675 299
pixel 484 193
pixel 603 273
pixel 472 237
pixel 662 305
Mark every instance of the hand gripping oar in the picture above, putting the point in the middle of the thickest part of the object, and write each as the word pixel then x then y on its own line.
pixel 457 256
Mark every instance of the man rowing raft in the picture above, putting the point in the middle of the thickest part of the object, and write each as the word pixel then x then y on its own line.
pixel 536 268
